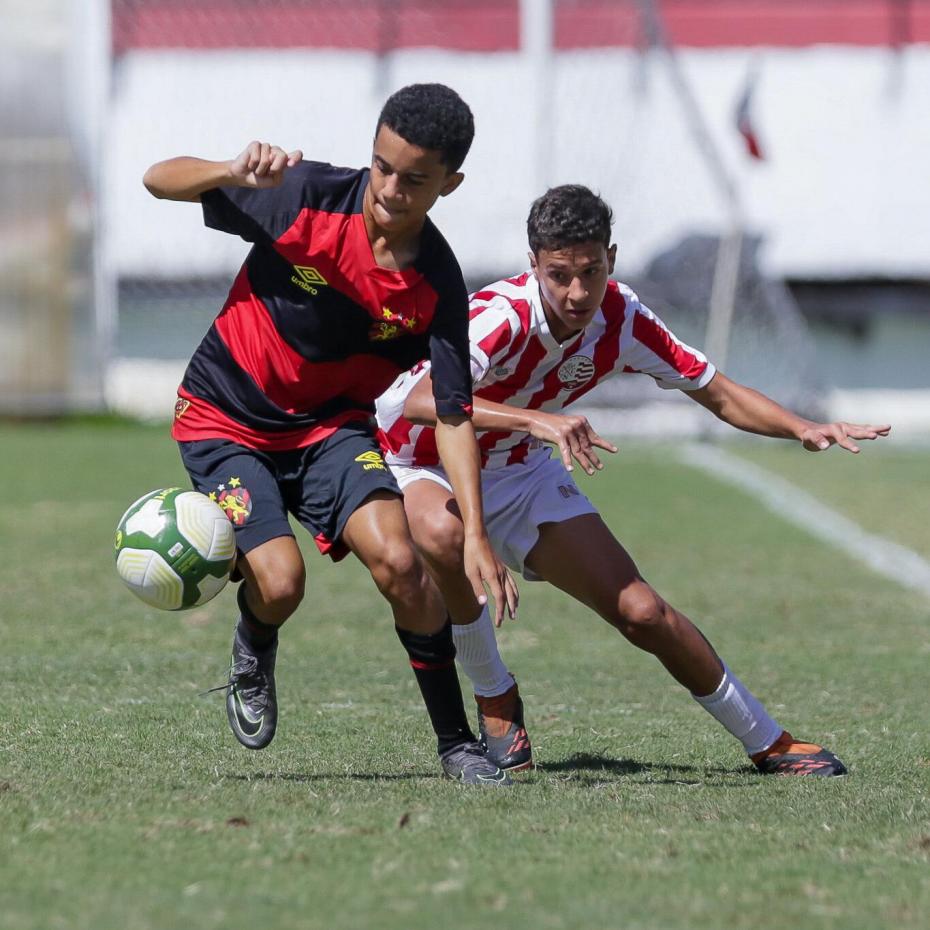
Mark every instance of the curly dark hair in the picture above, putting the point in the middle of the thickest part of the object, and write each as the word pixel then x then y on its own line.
pixel 568 215
pixel 431 116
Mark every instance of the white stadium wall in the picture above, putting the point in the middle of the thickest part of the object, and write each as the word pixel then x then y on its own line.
pixel 842 191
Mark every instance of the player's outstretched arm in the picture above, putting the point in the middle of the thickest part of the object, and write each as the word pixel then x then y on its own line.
pixel 458 451
pixel 752 411
pixel 259 165
pixel 573 435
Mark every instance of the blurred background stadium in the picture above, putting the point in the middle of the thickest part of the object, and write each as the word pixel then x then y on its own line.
pixel 764 158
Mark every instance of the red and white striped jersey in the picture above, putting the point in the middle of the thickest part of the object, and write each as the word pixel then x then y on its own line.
pixel 515 360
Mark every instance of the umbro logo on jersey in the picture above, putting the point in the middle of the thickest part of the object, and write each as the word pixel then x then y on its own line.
pixel 575 372
pixel 370 460
pixel 308 278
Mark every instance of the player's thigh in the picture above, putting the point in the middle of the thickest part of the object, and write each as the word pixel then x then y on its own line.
pixel 244 483
pixel 435 520
pixel 583 558
pixel 378 534
pixel 519 499
pixel 330 481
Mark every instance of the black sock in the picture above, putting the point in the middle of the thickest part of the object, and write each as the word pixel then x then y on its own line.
pixel 257 634
pixel 432 657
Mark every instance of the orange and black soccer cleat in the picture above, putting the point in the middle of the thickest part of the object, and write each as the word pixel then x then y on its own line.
pixel 786 756
pixel 502 732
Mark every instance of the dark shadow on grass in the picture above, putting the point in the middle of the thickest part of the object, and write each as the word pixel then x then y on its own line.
pixel 588 765
pixel 586 769
pixel 326 776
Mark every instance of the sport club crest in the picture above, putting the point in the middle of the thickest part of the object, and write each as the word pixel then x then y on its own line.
pixel 575 372
pixel 235 501
pixel 390 325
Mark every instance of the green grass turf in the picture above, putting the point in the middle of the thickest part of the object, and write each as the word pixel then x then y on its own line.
pixel 885 488
pixel 125 802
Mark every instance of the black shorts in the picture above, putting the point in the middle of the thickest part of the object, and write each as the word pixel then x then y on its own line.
pixel 321 485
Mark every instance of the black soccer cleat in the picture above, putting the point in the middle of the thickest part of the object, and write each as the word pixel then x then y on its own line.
pixel 251 702
pixel 787 756
pixel 468 764
pixel 502 732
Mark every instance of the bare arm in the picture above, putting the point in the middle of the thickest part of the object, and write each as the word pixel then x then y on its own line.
pixel 458 451
pixel 573 435
pixel 259 165
pixel 749 410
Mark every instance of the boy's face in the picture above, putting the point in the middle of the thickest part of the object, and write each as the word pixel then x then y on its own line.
pixel 572 282
pixel 405 183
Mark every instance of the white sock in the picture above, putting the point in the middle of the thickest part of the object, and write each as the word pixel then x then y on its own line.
pixel 476 651
pixel 735 707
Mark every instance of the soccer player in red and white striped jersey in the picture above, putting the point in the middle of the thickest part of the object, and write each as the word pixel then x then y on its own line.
pixel 539 342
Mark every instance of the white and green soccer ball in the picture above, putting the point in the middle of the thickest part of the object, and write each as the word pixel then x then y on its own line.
pixel 175 549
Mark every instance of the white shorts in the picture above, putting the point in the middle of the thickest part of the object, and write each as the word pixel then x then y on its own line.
pixel 518 499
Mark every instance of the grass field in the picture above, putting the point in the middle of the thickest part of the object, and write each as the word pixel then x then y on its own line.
pixel 125 802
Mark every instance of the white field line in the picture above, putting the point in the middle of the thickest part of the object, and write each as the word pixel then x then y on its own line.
pixel 887 558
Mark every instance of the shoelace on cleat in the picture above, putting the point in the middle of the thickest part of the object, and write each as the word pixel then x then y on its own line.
pixel 247 668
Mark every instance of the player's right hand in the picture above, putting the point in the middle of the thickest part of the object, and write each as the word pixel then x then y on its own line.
pixel 574 436
pixel 483 567
pixel 263 165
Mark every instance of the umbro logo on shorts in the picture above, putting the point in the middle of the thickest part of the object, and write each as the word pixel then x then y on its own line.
pixel 370 460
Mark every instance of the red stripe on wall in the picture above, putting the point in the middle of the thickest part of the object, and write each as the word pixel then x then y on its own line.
pixel 375 25
pixel 494 25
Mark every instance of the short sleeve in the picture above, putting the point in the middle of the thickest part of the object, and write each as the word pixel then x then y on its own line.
pixel 650 347
pixel 493 328
pixel 260 214
pixel 448 333
pixel 448 352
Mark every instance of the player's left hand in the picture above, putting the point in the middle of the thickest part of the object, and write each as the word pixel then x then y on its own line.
pixel 483 567
pixel 820 436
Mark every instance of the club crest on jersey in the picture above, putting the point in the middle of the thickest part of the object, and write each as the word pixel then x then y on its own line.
pixel 390 326
pixel 234 499
pixel 180 408
pixel 370 460
pixel 576 372
pixel 308 279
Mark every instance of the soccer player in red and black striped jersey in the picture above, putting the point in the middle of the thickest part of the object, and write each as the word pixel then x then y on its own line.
pixel 539 341
pixel 347 284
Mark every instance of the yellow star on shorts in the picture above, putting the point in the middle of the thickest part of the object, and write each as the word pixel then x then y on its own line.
pixel 234 482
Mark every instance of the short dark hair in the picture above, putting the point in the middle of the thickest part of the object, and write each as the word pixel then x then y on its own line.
pixel 431 116
pixel 568 215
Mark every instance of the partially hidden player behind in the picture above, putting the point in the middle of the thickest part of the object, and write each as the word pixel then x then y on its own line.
pixel 347 284
pixel 540 341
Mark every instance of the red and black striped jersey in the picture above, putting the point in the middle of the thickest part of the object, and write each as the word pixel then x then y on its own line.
pixel 313 330
pixel 516 360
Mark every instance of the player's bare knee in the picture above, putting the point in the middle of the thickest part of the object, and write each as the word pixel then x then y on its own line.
pixel 641 614
pixel 281 591
pixel 439 535
pixel 398 573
